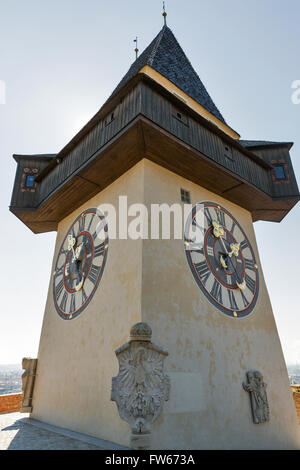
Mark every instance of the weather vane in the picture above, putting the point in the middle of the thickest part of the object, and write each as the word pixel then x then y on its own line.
pixel 164 14
pixel 136 48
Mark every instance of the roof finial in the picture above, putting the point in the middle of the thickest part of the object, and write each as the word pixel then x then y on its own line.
pixel 136 48
pixel 164 14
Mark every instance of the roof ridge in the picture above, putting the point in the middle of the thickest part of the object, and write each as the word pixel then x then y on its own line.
pixel 259 143
pixel 188 60
pixel 155 48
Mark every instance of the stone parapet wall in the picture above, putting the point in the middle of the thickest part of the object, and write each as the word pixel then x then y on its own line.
pixel 296 396
pixel 11 402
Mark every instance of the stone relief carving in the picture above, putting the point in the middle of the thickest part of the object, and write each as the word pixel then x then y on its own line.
pixel 141 387
pixel 258 396
pixel 28 379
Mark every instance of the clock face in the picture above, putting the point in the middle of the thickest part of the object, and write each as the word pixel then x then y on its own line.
pixel 80 263
pixel 221 259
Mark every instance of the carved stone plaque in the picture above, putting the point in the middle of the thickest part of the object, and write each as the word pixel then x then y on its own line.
pixel 28 378
pixel 258 396
pixel 141 387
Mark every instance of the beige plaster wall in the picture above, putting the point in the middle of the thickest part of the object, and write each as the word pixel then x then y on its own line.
pixel 209 352
pixel 76 358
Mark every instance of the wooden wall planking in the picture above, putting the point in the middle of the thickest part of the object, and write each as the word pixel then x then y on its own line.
pixel 144 100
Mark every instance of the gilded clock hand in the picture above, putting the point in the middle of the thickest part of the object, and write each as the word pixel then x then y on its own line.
pixel 79 255
pixel 241 284
pixel 235 248
pixel 71 243
pixel 78 285
pixel 234 251
pixel 218 229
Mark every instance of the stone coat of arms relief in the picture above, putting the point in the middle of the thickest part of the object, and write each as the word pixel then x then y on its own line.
pixel 141 387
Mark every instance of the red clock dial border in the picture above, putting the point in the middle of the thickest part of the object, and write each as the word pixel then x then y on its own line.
pixel 82 307
pixel 228 311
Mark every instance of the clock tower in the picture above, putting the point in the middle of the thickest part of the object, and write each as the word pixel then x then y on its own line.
pixel 160 142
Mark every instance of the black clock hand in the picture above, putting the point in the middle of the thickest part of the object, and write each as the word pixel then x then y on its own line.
pixel 240 283
pixel 77 260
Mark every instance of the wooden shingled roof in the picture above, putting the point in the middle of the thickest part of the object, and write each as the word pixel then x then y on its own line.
pixel 142 118
pixel 165 55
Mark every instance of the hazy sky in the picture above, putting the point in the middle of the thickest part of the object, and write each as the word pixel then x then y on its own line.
pixel 60 60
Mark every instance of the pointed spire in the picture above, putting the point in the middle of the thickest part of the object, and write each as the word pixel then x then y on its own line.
pixel 165 55
pixel 164 14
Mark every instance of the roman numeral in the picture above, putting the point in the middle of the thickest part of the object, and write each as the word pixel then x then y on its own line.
pixel 208 216
pixel 202 271
pixel 192 246
pixel 221 217
pixel 81 223
pixel 210 251
pixel 91 221
pixel 72 304
pixel 233 227
pixel 233 304
pixel 99 250
pixel 250 283
pixel 83 296
pixel 63 252
pixel 249 264
pixel 245 301
pixel 99 227
pixel 243 245
pixel 195 224
pixel 93 274
pixel 64 302
pixel 60 270
pixel 59 288
pixel 103 225
pixel 216 291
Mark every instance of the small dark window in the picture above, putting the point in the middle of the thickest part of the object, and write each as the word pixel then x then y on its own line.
pixel 185 196
pixel 228 152
pixel 29 181
pixel 280 173
pixel 109 119
pixel 179 116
